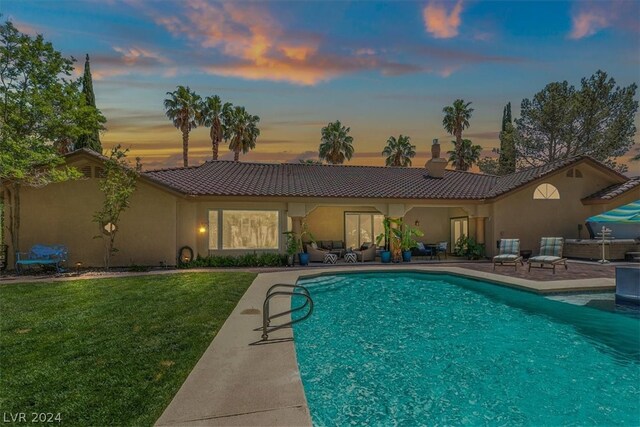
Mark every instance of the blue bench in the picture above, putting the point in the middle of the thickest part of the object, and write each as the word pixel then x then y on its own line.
pixel 42 255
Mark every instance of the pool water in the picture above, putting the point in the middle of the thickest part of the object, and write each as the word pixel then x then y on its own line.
pixel 427 349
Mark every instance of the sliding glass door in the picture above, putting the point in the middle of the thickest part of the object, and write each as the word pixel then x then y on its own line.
pixel 361 227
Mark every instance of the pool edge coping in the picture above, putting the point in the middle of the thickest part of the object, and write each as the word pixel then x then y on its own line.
pixel 209 395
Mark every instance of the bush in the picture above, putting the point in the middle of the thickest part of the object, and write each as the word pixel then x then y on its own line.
pixel 467 247
pixel 247 260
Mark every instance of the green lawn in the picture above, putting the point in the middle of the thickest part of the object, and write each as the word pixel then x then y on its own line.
pixel 108 351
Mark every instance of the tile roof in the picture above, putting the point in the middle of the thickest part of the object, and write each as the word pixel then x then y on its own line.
pixel 228 178
pixel 615 190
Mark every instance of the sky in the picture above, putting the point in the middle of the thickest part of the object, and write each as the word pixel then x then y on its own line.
pixel 381 68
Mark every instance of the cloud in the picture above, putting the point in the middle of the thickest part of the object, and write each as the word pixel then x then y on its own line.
pixel 439 21
pixel 255 46
pixel 591 17
pixel 129 60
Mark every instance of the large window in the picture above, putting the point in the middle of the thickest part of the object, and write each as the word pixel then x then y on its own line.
pixel 361 228
pixel 236 229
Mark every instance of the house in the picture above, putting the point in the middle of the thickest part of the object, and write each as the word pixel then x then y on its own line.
pixel 225 207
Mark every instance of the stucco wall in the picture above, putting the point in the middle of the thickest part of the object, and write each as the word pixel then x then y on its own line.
pixel 434 223
pixel 520 216
pixel 327 222
pixel 62 214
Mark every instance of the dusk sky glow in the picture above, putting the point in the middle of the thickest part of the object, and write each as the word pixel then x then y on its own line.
pixel 382 68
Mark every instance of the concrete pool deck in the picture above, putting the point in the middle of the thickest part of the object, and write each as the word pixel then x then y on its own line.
pixel 241 381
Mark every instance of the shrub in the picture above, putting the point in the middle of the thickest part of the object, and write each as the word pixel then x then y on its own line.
pixel 467 247
pixel 247 260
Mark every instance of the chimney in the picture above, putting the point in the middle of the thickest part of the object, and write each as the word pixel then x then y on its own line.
pixel 437 165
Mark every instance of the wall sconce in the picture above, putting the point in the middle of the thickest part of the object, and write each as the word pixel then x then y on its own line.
pixel 78 267
pixel 202 229
pixel 417 223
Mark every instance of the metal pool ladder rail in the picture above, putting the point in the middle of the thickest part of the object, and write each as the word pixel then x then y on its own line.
pixel 274 292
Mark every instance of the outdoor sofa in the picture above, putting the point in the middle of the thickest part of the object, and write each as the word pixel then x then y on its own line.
pixel 366 254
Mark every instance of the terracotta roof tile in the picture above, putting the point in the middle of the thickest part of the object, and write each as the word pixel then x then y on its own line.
pixel 228 178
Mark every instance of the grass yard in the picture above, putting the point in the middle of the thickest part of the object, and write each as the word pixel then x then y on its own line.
pixel 108 351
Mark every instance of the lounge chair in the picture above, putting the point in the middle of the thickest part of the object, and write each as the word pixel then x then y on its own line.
pixel 316 254
pixel 368 254
pixel 509 253
pixel 550 254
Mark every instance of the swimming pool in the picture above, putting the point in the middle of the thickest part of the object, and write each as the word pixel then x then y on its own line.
pixel 413 348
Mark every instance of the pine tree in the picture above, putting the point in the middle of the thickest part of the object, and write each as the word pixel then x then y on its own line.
pixel 507 160
pixel 90 140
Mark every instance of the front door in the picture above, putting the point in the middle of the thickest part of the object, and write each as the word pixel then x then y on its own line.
pixel 459 228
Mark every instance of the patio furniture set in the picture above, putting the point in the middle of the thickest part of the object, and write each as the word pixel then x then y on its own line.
pixel 549 257
pixel 331 252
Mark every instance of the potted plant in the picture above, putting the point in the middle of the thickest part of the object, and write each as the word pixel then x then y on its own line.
pixel 405 235
pixel 385 253
pixel 292 247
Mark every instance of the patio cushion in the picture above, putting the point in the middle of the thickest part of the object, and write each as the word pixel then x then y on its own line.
pixel 330 259
pixel 510 246
pixel 326 244
pixel 421 246
pixel 506 257
pixel 551 246
pixel 314 245
pixel 545 259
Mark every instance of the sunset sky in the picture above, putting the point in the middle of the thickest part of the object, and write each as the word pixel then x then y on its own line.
pixel 382 68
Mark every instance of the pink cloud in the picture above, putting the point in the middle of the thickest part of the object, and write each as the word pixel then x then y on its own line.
pixel 591 17
pixel 439 21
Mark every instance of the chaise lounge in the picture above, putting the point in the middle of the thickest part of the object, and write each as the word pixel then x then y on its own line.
pixel 509 253
pixel 550 254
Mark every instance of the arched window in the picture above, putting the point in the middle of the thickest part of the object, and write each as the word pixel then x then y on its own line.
pixel 578 173
pixel 546 191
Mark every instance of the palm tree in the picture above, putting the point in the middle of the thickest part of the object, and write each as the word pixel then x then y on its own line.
pixel 182 107
pixel 309 162
pixel 212 115
pixel 465 154
pixel 336 145
pixel 456 119
pixel 242 131
pixel 399 151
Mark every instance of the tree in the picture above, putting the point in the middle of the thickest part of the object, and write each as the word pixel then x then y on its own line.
pixel 507 159
pixel 118 185
pixel 89 140
pixel 465 155
pixel 561 122
pixel 399 151
pixel 336 144
pixel 40 106
pixel 309 162
pixel 182 107
pixel 456 119
pixel 243 131
pixel 213 114
pixel 489 165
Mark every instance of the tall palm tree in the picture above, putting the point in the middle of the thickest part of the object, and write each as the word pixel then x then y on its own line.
pixel 242 131
pixel 399 151
pixel 212 115
pixel 465 154
pixel 456 119
pixel 336 145
pixel 182 107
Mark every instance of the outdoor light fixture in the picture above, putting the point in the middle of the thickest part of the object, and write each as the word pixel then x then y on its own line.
pixel 202 229
pixel 417 223
pixel 78 267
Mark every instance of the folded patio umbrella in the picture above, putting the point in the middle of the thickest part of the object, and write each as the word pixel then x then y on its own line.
pixel 624 221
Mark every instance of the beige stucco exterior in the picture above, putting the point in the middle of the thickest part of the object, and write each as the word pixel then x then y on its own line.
pixel 159 222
